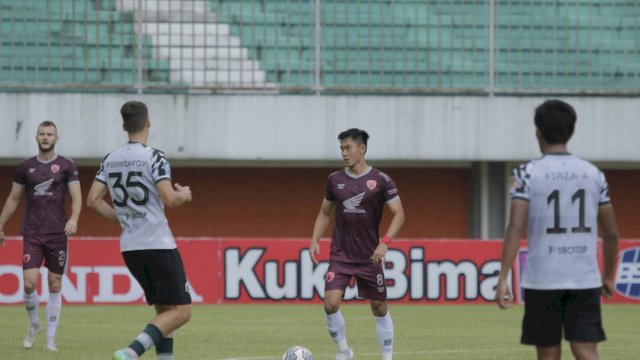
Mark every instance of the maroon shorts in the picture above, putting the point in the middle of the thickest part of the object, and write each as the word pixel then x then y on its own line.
pixel 369 278
pixel 52 248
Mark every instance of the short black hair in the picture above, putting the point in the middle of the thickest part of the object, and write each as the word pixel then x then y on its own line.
pixel 47 123
pixel 134 116
pixel 359 136
pixel 556 121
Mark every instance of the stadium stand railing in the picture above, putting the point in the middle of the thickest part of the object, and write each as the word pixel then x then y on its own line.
pixel 322 46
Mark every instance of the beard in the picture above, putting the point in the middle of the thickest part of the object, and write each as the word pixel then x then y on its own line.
pixel 50 147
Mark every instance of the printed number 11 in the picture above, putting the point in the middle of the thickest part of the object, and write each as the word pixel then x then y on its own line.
pixel 555 198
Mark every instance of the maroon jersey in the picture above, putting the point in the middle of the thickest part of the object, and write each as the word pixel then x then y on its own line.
pixel 359 203
pixel 45 189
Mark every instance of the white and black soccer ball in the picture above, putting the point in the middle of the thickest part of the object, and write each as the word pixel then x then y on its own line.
pixel 297 353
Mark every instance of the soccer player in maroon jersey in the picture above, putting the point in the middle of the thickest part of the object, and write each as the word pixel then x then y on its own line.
pixel 45 180
pixel 357 194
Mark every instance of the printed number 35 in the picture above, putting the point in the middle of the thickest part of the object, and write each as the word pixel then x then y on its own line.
pixel 129 184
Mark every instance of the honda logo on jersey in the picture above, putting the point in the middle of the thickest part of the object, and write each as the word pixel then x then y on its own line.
pixel 42 189
pixel 351 204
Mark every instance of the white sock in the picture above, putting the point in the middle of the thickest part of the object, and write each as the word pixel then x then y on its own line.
pixel 164 357
pixel 53 313
pixel 132 354
pixel 31 303
pixel 335 325
pixel 384 332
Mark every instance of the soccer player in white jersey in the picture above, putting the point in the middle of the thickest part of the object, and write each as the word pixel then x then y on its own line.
pixel 138 179
pixel 562 200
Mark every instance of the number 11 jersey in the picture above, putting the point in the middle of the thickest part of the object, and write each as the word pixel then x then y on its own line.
pixel 131 173
pixel 564 194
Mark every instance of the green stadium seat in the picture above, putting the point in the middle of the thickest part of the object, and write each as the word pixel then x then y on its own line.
pixel 395 44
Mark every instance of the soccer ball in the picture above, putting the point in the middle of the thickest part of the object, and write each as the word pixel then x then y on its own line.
pixel 297 353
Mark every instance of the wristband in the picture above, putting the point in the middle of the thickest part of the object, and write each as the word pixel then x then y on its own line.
pixel 386 240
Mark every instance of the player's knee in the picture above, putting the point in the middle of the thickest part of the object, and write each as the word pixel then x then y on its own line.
pixel 29 286
pixel 584 351
pixel 184 314
pixel 55 287
pixel 331 307
pixel 379 308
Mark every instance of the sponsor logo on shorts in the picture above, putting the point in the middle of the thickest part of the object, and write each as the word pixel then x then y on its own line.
pixel 371 184
pixel 628 274
pixel 330 276
pixel 186 288
pixel 55 168
pixel 26 258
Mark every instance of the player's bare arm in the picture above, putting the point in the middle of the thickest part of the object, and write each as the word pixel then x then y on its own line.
pixel 10 206
pixel 512 236
pixel 95 200
pixel 322 222
pixel 173 196
pixel 607 222
pixel 76 206
pixel 397 219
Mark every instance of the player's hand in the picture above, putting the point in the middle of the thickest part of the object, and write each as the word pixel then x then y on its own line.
pixel 185 191
pixel 608 288
pixel 2 238
pixel 504 297
pixel 71 227
pixel 314 249
pixel 379 255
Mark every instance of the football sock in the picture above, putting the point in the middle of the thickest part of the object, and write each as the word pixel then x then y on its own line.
pixel 53 313
pixel 384 332
pixel 31 303
pixel 146 339
pixel 335 325
pixel 164 349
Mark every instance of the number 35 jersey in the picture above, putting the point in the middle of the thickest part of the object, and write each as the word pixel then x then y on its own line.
pixel 564 194
pixel 131 173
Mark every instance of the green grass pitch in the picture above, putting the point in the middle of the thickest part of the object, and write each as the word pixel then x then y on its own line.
pixel 264 332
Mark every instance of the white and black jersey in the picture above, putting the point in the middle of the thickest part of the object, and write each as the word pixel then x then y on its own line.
pixel 564 194
pixel 131 173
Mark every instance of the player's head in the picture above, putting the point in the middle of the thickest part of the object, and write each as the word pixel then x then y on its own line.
pixel 46 136
pixel 353 146
pixel 135 116
pixel 555 121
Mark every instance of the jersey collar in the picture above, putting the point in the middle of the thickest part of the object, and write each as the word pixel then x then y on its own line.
pixel 354 176
pixel 46 161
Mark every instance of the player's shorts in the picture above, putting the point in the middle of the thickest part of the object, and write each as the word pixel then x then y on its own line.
pixel 161 275
pixel 369 278
pixel 548 312
pixel 52 248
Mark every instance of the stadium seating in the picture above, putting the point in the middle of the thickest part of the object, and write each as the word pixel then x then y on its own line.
pixel 199 49
pixel 72 42
pixel 406 45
